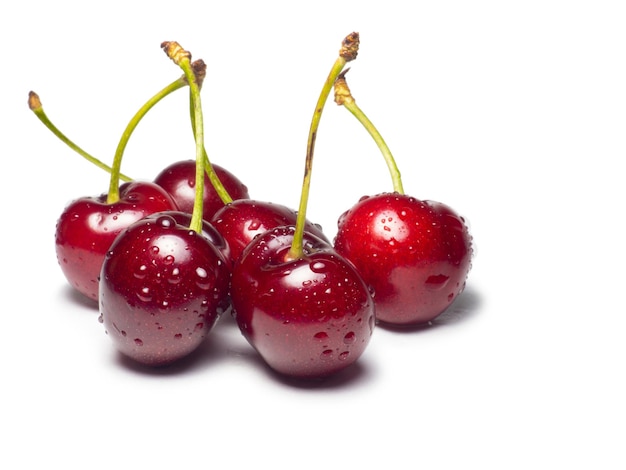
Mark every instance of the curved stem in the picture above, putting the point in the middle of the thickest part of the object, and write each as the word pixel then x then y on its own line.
pixel 182 58
pixel 343 97
pixel 114 186
pixel 220 189
pixel 347 53
pixel 34 103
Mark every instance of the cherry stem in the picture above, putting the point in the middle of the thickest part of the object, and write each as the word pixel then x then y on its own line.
pixel 34 103
pixel 114 186
pixel 343 97
pixel 348 52
pixel 182 58
pixel 219 187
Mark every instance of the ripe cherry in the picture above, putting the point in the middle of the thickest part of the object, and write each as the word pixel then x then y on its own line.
pixel 308 316
pixel 164 284
pixel 88 225
pixel 416 255
pixel 178 179
pixel 300 304
pixel 163 287
pixel 242 220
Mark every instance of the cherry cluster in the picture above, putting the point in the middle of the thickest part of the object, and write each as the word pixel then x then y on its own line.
pixel 165 259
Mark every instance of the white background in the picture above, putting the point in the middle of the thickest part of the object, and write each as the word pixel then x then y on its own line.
pixel 513 113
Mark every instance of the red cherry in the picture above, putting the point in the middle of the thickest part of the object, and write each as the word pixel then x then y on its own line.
pixel 179 179
pixel 307 317
pixel 162 288
pixel 241 221
pixel 88 226
pixel 416 255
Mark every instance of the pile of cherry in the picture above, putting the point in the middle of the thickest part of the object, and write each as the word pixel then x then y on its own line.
pixel 165 259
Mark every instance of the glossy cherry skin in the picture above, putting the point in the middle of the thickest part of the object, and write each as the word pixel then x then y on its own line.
pixel 241 221
pixel 179 180
pixel 88 225
pixel 162 288
pixel 415 255
pixel 308 318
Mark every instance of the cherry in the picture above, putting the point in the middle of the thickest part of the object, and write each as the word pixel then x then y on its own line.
pixel 300 304
pixel 415 254
pixel 178 179
pixel 242 220
pixel 309 316
pixel 88 225
pixel 162 289
pixel 164 283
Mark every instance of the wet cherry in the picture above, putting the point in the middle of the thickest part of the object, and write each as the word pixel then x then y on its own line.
pixel 300 304
pixel 416 255
pixel 164 284
pixel 242 220
pixel 163 287
pixel 308 317
pixel 178 179
pixel 88 225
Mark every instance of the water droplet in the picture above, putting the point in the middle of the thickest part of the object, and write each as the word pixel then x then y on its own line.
pixel 349 338
pixel 254 225
pixel 138 342
pixel 141 272
pixel 199 326
pixel 318 266
pixel 344 355
pixel 145 295
pixel 436 281
pixel 178 335
pixel 101 319
pixel 166 221
pixel 154 250
pixel 327 354
pixel 168 260
pixel 321 336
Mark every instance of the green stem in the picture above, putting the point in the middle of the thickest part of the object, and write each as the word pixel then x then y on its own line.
pixel 219 187
pixel 347 53
pixel 343 97
pixel 114 186
pixel 182 58
pixel 34 103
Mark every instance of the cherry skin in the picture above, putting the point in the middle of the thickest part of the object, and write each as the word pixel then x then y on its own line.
pixel 88 225
pixel 415 255
pixel 162 288
pixel 242 220
pixel 179 180
pixel 308 317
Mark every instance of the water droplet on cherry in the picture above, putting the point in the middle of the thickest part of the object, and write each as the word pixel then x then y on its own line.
pixel 138 342
pixel 436 281
pixel 318 266
pixel 349 338
pixel 321 336
pixel 327 354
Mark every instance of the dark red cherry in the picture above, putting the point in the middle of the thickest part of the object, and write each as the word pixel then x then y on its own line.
pixel 307 317
pixel 162 288
pixel 241 221
pixel 179 180
pixel 88 226
pixel 416 255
